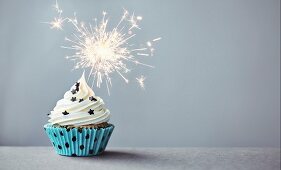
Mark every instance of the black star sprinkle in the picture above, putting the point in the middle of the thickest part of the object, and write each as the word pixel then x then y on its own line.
pixel 92 98
pixel 73 91
pixel 81 100
pixel 73 99
pixel 77 84
pixel 91 112
pixel 65 113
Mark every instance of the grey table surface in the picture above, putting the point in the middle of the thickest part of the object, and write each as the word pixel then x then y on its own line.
pixel 38 158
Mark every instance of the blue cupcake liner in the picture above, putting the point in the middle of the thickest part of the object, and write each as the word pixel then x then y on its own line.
pixel 78 142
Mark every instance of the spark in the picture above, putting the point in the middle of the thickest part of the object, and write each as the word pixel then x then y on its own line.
pixel 139 17
pixel 103 50
pixel 143 54
pixel 140 80
pixel 157 39
pixel 56 23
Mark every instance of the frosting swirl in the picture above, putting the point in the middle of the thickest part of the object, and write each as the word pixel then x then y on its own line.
pixel 79 106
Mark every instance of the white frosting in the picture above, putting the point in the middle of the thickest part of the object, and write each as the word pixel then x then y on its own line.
pixel 70 112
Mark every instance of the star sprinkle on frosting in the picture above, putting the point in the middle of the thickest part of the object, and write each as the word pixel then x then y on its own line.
pixel 92 98
pixel 73 91
pixel 91 112
pixel 73 99
pixel 65 113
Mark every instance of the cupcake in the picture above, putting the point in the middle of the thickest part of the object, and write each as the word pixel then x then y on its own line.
pixel 78 125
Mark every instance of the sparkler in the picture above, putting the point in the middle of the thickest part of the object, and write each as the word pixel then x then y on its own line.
pixel 140 80
pixel 104 51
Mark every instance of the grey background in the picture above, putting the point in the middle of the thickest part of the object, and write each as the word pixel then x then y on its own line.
pixel 216 81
